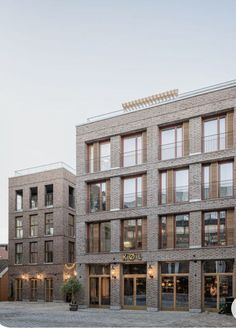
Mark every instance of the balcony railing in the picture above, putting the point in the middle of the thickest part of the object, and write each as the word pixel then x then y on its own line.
pixel 172 150
pixel 43 168
pixel 218 189
pixel 174 195
pixel 217 142
pixel 134 200
pixel 132 158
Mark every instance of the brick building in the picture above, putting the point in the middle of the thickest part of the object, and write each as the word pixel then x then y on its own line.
pixel 41 232
pixel 156 203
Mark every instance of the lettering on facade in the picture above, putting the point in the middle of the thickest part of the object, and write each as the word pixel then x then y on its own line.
pixel 130 257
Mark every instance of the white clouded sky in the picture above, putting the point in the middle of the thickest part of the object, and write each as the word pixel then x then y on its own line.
pixel 63 60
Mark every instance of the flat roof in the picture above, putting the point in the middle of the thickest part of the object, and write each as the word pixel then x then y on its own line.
pixel 43 168
pixel 182 96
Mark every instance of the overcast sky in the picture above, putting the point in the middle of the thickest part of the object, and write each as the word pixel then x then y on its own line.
pixel 62 61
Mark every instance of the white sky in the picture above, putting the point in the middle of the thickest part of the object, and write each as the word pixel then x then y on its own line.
pixel 63 60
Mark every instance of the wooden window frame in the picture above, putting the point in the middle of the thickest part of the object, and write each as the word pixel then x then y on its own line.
pixel 143 194
pixel 161 129
pixel 32 253
pixel 136 233
pixel 99 236
pixel 46 252
pixel 216 117
pixel 107 194
pixel 218 229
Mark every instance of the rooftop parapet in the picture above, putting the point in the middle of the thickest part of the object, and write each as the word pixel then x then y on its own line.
pixel 43 168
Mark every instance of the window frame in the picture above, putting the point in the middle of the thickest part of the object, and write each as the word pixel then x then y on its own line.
pixel 136 151
pixel 100 183
pixel 48 224
pixel 47 253
pixel 161 129
pixel 33 253
pixel 19 255
pixel 99 239
pixel 218 118
pixel 218 229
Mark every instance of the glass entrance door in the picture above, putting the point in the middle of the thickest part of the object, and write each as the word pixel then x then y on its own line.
pixel 174 292
pixel 135 291
pixel 216 288
pixel 33 290
pixel 99 291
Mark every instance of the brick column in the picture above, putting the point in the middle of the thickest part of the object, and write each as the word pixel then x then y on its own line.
pixel 115 151
pixel 152 287
pixel 115 286
pixel 115 235
pixel 152 232
pixel 195 132
pixel 195 182
pixel 152 144
pixel 81 197
pixel 195 229
pixel 81 238
pixel 81 157
pixel 83 276
pixel 152 188
pixel 115 193
pixel 195 286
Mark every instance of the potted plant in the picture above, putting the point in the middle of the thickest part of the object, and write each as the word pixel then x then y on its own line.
pixel 71 287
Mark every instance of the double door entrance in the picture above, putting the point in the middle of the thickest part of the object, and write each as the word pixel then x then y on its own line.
pixel 99 291
pixel 174 292
pixel 135 291
pixel 216 288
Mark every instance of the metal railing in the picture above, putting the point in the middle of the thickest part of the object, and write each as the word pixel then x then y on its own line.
pixel 217 142
pixel 134 200
pixel 43 168
pixel 218 189
pixel 132 158
pixel 174 195
pixel 172 150
pixel 99 246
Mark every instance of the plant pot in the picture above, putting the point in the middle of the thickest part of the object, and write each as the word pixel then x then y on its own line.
pixel 73 306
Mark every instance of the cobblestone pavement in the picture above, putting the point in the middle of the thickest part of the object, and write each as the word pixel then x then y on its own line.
pixel 23 314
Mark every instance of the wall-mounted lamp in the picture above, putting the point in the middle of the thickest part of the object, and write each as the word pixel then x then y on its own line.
pixel 150 271
pixel 25 276
pixel 39 276
pixel 113 272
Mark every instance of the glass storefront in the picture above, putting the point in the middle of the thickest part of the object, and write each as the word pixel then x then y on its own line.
pixel 174 286
pixel 218 283
pixel 134 284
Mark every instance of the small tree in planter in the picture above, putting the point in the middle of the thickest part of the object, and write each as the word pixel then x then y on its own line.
pixel 72 287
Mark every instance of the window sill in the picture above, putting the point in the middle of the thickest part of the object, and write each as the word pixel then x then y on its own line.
pixel 49 207
pixel 49 263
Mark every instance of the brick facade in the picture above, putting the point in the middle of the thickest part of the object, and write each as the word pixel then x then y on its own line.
pixel 61 180
pixel 191 110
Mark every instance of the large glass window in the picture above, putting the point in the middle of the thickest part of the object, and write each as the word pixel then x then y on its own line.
pixel 18 253
pixel 174 267
pixel 48 251
pixel 174 231
pixel 33 256
pixel 163 187
pixel 132 150
pixel 132 196
pixel 49 195
pixel 181 185
pixel 33 225
pixel 105 156
pixel 49 224
pixel 182 231
pixel 215 228
pixel 133 233
pixel 214 134
pixel 19 227
pixel 226 179
pixel 33 198
pixel 99 237
pixel 19 200
pixel 171 143
pixel 98 196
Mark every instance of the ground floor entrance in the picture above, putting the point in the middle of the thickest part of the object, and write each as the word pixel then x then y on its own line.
pixel 134 286
pixel 174 286
pixel 99 286
pixel 217 283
